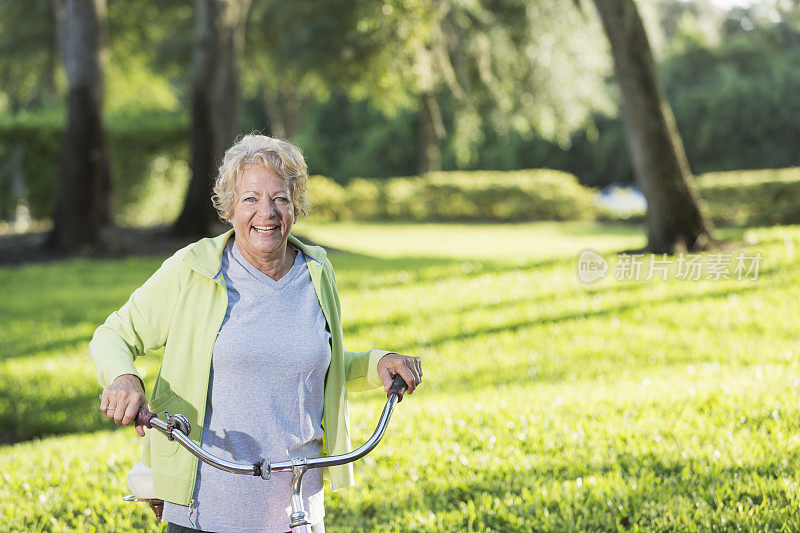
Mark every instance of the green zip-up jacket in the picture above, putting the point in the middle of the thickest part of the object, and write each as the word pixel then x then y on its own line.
pixel 181 307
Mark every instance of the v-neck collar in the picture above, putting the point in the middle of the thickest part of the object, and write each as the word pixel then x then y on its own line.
pixel 205 256
pixel 264 279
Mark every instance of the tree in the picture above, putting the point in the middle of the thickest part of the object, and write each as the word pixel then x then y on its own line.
pixel 83 199
pixel 464 68
pixel 660 165
pixel 499 66
pixel 215 103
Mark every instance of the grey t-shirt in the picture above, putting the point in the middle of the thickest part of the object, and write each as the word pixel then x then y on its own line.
pixel 265 399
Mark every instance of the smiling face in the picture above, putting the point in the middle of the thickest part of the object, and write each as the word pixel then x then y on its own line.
pixel 263 215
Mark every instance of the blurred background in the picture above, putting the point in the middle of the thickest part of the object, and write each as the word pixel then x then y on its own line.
pixel 377 90
pixel 463 154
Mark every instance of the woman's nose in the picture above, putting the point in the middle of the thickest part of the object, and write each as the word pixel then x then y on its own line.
pixel 267 208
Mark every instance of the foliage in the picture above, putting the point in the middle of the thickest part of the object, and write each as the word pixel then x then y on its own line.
pixel 733 99
pixel 499 66
pixel 754 197
pixel 547 405
pixel 157 37
pixel 345 139
pixel 147 155
pixel 482 195
pixel 28 61
pixel 487 61
pixel 520 84
pixel 735 104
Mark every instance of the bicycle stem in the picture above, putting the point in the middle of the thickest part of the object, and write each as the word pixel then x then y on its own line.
pixel 298 516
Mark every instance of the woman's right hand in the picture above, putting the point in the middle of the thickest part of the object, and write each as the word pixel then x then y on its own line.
pixel 122 399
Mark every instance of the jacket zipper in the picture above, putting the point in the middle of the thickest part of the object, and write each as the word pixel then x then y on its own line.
pixel 191 510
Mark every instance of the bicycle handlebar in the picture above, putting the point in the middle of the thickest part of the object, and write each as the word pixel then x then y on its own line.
pixel 398 387
pixel 177 427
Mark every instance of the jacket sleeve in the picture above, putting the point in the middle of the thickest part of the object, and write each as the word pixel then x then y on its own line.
pixel 142 324
pixel 361 368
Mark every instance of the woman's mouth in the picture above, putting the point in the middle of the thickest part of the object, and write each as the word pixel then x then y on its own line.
pixel 265 230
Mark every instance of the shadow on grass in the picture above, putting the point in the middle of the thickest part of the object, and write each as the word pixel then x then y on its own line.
pixel 23 348
pixel 44 405
pixel 565 317
pixel 413 270
pixel 358 327
pixel 26 417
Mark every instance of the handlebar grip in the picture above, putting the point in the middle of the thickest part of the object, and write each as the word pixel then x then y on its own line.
pixel 144 417
pixel 398 387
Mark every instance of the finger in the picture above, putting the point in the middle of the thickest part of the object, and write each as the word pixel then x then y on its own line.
pixel 416 369
pixel 386 376
pixel 140 430
pixel 111 401
pixel 103 401
pixel 417 380
pixel 408 375
pixel 119 411
pixel 130 413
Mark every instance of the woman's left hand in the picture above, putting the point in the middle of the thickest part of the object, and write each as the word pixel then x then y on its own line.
pixel 410 368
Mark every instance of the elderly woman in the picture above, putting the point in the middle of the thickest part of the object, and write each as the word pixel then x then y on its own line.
pixel 253 353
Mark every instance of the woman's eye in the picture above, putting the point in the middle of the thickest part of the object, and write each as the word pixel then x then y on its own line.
pixel 250 199
pixel 282 200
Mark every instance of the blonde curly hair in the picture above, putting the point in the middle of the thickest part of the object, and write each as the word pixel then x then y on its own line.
pixel 280 157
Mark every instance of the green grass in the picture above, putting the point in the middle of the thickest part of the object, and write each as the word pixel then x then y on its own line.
pixel 547 404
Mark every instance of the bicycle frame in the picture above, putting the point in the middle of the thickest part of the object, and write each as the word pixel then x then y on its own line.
pixel 177 427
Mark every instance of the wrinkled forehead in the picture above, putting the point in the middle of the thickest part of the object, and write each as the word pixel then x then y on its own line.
pixel 256 177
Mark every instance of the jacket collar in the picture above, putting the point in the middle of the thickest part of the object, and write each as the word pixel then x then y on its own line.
pixel 205 255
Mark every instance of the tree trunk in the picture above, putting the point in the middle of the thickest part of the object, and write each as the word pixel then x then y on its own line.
pixel 659 161
pixel 197 213
pixel 215 104
pixel 431 133
pixel 83 199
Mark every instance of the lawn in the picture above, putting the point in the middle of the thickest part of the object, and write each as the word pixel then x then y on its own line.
pixel 548 404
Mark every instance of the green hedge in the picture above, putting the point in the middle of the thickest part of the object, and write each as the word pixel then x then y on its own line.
pixel 29 146
pixel 474 195
pixel 148 155
pixel 734 198
pixel 752 197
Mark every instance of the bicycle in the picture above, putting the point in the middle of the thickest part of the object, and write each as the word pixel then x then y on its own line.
pixel 177 427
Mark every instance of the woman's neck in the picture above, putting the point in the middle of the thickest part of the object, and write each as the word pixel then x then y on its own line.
pixel 275 266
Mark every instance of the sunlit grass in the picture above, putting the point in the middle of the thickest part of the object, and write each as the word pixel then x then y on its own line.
pixel 547 404
pixel 523 241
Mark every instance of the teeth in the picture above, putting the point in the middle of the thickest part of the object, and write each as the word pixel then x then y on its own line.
pixel 264 228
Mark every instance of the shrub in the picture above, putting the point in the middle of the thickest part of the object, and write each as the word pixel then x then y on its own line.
pixel 752 197
pixel 139 146
pixel 364 200
pixel 328 198
pixel 29 151
pixel 474 195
